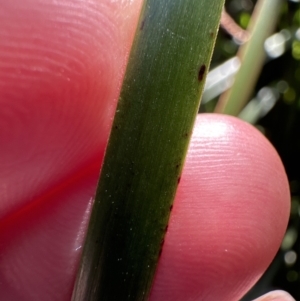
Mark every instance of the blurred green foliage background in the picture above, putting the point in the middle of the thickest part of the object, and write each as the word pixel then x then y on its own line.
pixel 275 110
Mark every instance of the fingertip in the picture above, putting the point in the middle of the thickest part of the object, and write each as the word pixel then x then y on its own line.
pixel 62 64
pixel 277 295
pixel 229 215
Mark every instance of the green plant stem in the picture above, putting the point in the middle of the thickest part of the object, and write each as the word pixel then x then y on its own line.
pixel 252 57
pixel 153 123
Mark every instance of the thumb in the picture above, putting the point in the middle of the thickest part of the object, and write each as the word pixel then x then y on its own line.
pixel 61 67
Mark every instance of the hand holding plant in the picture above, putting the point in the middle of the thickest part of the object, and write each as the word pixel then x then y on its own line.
pixel 61 71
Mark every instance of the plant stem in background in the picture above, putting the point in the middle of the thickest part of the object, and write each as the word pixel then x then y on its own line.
pixel 232 28
pixel 153 123
pixel 252 56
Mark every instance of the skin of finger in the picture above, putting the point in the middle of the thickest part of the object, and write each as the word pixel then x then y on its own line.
pixel 52 108
pixel 61 68
pixel 276 296
pixel 41 247
pixel 229 216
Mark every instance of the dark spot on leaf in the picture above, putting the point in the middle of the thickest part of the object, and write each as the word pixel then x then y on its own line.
pixel 201 73
pixel 116 127
pixel 211 33
pixel 166 229
pixel 177 166
pixel 171 207
pixel 161 247
pixel 142 25
pixel 178 180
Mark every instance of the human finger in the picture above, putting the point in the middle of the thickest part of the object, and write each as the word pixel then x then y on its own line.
pixel 276 296
pixel 62 64
pixel 229 216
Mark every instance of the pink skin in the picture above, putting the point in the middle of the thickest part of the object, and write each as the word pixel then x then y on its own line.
pixel 61 67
